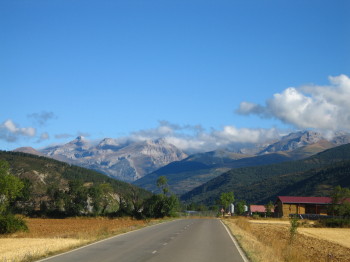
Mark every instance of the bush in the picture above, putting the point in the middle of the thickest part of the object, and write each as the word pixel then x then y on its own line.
pixel 335 222
pixel 11 224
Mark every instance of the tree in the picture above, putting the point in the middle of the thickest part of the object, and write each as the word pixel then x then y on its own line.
pixel 268 207
pixel 226 199
pixel 10 187
pixel 77 199
pixel 103 199
pixel 340 201
pixel 240 207
pixel 162 183
pixel 161 205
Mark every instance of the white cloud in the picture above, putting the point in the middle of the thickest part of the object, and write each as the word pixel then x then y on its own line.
pixel 10 132
pixel 325 108
pixel 197 139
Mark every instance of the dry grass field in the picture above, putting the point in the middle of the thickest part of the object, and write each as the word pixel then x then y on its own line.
pixel 269 241
pixel 49 236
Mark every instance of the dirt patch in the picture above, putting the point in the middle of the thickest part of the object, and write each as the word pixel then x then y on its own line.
pixel 78 227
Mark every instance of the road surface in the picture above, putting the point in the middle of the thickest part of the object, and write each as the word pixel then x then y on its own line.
pixel 184 240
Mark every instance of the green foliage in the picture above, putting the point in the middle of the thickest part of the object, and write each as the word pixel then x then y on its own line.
pixel 162 183
pixel 239 209
pixel 268 207
pixel 68 190
pixel 10 187
pixel 102 199
pixel 226 199
pixel 11 224
pixel 294 224
pixel 335 222
pixel 340 201
pixel 160 205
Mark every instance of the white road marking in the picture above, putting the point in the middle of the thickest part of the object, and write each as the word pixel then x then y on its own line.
pixel 155 251
pixel 235 243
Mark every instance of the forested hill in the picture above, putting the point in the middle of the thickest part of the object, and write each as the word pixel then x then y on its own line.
pixel 262 183
pixel 42 172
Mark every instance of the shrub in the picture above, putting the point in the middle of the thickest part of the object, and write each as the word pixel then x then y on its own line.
pixel 11 224
pixel 294 224
pixel 335 222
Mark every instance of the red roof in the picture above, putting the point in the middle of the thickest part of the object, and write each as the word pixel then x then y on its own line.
pixel 258 208
pixel 305 200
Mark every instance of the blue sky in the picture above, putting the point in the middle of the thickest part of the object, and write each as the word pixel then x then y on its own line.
pixel 191 71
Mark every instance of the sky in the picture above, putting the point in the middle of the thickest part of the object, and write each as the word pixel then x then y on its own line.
pixel 202 74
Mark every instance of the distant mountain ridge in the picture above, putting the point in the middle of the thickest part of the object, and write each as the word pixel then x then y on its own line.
pixel 130 161
pixel 259 184
pixel 197 169
pixel 28 150
pixel 127 162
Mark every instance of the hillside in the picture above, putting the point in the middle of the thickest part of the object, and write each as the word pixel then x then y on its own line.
pixel 42 172
pixel 197 169
pixel 260 183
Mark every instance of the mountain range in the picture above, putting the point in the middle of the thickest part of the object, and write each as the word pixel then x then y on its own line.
pixel 197 169
pixel 124 161
pixel 142 162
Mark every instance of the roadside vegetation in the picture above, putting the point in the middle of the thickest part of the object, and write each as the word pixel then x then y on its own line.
pixel 277 240
pixel 61 191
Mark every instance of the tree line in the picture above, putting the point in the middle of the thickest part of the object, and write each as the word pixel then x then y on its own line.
pixel 77 198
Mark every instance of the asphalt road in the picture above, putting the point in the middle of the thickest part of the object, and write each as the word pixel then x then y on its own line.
pixel 185 240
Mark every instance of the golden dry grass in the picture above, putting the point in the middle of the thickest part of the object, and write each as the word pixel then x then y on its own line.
pixel 49 236
pixel 270 241
pixel 24 249
pixel 339 236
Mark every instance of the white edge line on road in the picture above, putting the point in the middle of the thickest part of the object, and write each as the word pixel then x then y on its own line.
pixel 78 248
pixel 241 252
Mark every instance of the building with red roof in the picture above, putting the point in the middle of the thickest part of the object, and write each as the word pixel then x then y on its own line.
pixel 287 205
pixel 258 209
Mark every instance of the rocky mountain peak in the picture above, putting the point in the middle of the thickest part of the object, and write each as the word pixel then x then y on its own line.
pixel 293 141
pixel 126 161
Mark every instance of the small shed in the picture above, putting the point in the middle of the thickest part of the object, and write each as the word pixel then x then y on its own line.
pixel 286 205
pixel 258 209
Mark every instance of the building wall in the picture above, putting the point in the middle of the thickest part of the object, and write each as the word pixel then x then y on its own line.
pixel 285 209
pixel 293 209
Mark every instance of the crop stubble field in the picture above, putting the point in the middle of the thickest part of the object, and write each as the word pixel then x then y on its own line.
pixel 269 241
pixel 49 236
pixel 263 240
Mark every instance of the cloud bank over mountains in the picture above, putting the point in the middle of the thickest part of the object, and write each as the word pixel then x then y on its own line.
pixel 196 138
pixel 322 108
pixel 325 108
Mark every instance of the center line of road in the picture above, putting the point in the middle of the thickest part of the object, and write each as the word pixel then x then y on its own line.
pixel 155 251
pixel 164 244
